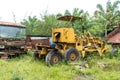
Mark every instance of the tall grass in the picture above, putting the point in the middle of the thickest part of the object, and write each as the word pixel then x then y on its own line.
pixel 26 68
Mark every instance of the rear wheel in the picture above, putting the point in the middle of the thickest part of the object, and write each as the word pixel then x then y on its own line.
pixel 53 57
pixel 72 55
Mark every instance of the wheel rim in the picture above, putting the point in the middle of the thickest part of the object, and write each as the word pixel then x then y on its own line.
pixel 73 56
pixel 55 59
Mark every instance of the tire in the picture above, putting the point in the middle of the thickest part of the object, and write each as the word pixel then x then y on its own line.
pixel 53 57
pixel 72 55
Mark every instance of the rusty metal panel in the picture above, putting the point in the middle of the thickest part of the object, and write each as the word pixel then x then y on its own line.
pixel 114 39
pixel 69 18
pixel 33 40
pixel 11 24
pixel 114 36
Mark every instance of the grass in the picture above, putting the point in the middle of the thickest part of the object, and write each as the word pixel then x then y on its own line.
pixel 25 68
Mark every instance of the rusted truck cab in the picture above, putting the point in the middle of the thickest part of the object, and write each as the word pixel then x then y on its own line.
pixel 12 39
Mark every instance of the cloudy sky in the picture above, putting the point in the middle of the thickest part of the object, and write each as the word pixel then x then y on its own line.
pixel 23 8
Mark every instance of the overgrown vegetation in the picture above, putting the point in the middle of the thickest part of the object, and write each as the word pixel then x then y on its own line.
pixel 26 68
pixel 103 20
pixel 99 24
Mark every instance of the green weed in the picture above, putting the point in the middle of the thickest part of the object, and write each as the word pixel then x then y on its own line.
pixel 26 68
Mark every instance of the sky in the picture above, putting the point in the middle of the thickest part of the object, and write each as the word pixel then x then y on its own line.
pixel 11 10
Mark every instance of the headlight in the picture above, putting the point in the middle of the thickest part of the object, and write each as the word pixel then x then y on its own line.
pixel 2 46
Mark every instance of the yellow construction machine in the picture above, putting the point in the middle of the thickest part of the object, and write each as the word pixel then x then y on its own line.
pixel 68 45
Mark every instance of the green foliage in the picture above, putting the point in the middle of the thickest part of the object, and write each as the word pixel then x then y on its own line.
pixel 103 20
pixel 28 69
pixel 109 16
pixel 32 24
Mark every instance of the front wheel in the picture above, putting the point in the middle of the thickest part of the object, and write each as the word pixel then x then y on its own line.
pixel 72 55
pixel 53 57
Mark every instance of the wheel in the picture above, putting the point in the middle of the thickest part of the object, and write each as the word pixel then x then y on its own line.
pixel 72 55
pixel 53 57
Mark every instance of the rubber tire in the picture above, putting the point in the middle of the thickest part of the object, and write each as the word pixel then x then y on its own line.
pixel 50 57
pixel 68 53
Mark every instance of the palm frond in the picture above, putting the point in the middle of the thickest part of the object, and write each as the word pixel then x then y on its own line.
pixel 115 4
pixel 99 6
pixel 109 6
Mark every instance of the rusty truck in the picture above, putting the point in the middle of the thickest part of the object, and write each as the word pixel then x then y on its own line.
pixel 12 39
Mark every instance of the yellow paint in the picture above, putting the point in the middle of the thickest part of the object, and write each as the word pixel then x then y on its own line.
pixel 84 43
pixel 66 38
pixel 43 51
pixel 63 35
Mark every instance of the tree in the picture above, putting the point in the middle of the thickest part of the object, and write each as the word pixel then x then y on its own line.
pixel 32 24
pixel 48 22
pixel 108 17
pixel 83 23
